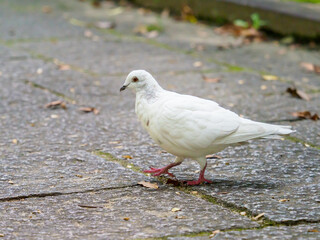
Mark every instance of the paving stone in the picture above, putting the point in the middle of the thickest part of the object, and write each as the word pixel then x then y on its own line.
pixel 44 26
pixel 300 232
pixel 111 57
pixel 101 214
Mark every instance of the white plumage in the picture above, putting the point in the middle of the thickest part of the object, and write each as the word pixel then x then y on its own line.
pixel 188 126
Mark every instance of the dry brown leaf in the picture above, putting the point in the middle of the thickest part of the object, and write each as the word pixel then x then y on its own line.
pixel 306 115
pixel 298 94
pixel 87 206
pixel 211 80
pixel 270 77
pixel 313 230
pixel 79 175
pixel 258 216
pixel 214 233
pixel 174 182
pixel 14 141
pixel 175 209
pixel 311 67
pixel 89 109
pixel 284 200
pixel 1 235
pixel 149 185
pixel 46 9
pixel 249 34
pixel 126 157
pixel 56 104
pixel 197 64
pixel 181 217
pixel 126 218
pixel 64 67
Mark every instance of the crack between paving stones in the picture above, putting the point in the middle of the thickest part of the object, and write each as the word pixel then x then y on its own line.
pixel 36 85
pixel 264 222
pixel 52 194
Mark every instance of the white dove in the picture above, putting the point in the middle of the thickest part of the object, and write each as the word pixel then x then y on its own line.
pixel 188 126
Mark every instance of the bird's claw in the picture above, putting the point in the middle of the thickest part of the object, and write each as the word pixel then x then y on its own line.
pixel 197 182
pixel 159 171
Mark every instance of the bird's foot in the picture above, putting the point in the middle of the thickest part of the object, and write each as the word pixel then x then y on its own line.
pixel 199 181
pixel 159 171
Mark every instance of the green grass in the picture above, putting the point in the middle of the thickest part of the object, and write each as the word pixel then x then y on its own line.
pixel 305 1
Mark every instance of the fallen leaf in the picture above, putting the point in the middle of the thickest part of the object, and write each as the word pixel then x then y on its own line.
pixel 54 116
pixel 214 233
pixel 263 87
pixel 87 206
pixel 126 218
pixel 56 104
pixel 14 141
pixel 64 67
pixel 197 64
pixel 194 192
pixel 46 9
pixel 175 209
pixel 1 235
pixel 311 67
pixel 126 157
pixel 298 93
pixel 241 82
pixel 10 182
pixel 149 185
pixel 105 25
pixel 211 80
pixel 89 109
pixel 243 213
pixel 284 200
pixel 79 175
pixel 270 77
pixel 181 217
pixel 306 115
pixel 313 230
pixel 88 34
pixel 174 182
pixel 249 34
pixel 258 216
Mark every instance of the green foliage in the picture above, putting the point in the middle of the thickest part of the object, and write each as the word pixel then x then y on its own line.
pixel 241 23
pixel 256 22
pixel 305 1
pixel 155 27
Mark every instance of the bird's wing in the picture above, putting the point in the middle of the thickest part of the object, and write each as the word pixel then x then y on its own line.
pixel 193 122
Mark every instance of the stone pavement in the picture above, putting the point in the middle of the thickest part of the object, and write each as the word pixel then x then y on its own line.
pixel 64 173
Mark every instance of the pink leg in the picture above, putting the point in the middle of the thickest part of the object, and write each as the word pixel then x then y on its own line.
pixel 164 170
pixel 201 178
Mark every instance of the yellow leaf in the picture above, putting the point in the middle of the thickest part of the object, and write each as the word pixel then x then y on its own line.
pixel 149 185
pixel 270 77
pixel 175 209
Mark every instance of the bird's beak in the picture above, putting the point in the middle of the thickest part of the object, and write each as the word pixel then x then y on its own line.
pixel 123 88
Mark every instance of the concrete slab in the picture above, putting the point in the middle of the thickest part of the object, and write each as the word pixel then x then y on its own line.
pixel 125 213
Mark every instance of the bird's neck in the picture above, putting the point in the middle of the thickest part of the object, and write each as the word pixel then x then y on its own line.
pixel 149 93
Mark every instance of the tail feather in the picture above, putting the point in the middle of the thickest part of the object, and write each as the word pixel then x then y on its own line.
pixel 250 129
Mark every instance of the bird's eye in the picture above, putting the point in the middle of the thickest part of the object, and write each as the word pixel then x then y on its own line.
pixel 135 79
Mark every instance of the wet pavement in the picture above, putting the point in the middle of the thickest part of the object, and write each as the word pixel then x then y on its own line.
pixel 67 174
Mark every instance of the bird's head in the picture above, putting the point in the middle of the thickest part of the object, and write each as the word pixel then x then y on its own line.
pixel 138 80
